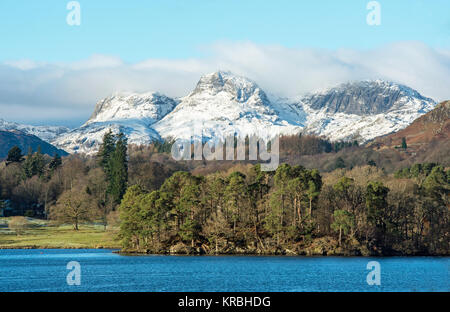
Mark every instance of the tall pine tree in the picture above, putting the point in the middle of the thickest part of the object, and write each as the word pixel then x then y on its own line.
pixel 118 165
pixel 112 157
pixel 105 152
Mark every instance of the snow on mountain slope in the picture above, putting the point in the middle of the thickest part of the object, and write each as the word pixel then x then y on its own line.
pixel 223 104
pixel 46 133
pixel 363 110
pixel 150 107
pixel 130 113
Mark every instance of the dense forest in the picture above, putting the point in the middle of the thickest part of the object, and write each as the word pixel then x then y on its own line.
pixel 198 207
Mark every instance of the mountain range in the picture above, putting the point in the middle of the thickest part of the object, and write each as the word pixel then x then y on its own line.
pixel 46 133
pixel 223 104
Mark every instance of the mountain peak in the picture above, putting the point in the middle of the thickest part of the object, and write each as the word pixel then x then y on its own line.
pixel 379 84
pixel 128 105
pixel 222 104
pixel 241 88
pixel 211 81
pixel 367 97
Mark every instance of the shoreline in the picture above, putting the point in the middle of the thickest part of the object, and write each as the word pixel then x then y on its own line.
pixel 128 253
pixel 57 247
pixel 119 251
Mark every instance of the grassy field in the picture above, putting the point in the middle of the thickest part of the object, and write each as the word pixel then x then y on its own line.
pixel 43 234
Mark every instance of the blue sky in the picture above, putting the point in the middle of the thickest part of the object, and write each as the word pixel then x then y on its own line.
pixel 53 73
pixel 138 30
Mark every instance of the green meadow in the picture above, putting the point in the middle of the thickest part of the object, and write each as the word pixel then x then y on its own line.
pixel 45 234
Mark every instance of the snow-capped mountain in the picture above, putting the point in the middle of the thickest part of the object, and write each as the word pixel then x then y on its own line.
pixel 363 110
pixel 46 133
pixel 223 104
pixel 130 113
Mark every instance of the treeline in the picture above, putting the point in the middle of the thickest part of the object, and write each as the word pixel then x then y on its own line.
pixel 298 145
pixel 293 210
pixel 290 145
pixel 416 171
pixel 22 180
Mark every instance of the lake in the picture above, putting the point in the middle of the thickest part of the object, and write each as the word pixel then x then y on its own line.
pixel 103 270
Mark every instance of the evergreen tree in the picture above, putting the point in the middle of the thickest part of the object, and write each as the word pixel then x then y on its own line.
pixel 38 162
pixel 113 159
pixel 189 205
pixel 55 162
pixel 118 169
pixel 279 200
pixel 34 164
pixel 158 221
pixel 131 217
pixel 314 187
pixel 236 194
pixel 404 145
pixel 343 222
pixel 427 168
pixel 435 184
pixel 258 188
pixel 376 203
pixel 339 163
pixel 170 197
pixel 28 164
pixel 297 189
pixel 14 155
pixel 106 151
pixel 153 217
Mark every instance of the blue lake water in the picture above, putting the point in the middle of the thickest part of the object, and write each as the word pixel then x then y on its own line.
pixel 102 270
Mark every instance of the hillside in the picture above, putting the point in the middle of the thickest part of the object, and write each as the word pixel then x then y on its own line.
pixel 427 138
pixel 8 139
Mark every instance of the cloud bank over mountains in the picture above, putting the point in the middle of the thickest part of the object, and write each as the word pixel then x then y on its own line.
pixel 37 92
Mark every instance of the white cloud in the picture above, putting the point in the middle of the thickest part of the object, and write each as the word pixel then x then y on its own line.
pixel 36 91
pixel 96 61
